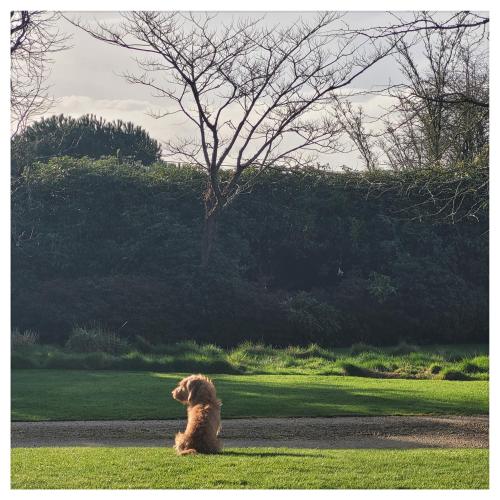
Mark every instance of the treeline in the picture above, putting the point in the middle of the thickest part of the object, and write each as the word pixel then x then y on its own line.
pixel 304 257
pixel 88 135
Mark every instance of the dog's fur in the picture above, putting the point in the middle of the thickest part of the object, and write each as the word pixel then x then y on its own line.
pixel 197 392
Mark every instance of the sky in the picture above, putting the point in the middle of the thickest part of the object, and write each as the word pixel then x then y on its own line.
pixel 86 78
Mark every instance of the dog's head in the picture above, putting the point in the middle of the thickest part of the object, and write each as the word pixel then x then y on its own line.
pixel 195 389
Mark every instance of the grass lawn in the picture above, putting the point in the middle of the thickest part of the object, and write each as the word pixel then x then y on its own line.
pixel 149 468
pixel 92 395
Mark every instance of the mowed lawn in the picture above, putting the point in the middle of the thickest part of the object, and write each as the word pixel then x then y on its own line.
pixel 149 468
pixel 94 395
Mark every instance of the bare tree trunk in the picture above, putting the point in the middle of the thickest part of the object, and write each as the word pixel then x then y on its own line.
pixel 208 238
pixel 209 235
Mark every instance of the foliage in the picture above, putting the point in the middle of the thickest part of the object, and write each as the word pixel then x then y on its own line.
pixel 329 258
pixel 85 136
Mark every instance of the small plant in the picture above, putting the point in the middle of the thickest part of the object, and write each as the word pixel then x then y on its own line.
pixel 435 368
pixel 450 374
pixel 355 370
pixel 470 367
pixel 95 339
pixel 25 339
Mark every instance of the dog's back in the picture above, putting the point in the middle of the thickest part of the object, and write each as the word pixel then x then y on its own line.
pixel 202 429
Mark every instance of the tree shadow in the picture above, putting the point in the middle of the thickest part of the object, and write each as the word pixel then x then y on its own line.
pixel 273 453
pixel 252 398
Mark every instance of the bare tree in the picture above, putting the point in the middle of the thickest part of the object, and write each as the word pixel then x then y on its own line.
pixel 252 92
pixel 436 135
pixel 441 110
pixel 426 22
pixel 353 122
pixel 33 38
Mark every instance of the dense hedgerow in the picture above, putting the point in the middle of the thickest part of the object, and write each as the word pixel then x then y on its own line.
pixel 304 258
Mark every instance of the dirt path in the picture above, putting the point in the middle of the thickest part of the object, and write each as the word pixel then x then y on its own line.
pixel 335 432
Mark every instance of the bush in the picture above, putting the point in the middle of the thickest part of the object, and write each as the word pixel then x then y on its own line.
pixel 355 370
pixel 471 367
pixel 435 368
pixel 84 340
pixel 451 374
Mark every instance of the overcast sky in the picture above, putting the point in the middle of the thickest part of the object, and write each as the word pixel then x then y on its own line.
pixel 86 78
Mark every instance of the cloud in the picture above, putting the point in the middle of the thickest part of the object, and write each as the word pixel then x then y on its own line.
pixel 132 110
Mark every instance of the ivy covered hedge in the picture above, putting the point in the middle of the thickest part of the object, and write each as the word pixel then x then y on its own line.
pixel 304 257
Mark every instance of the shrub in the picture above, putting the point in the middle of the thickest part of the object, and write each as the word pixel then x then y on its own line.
pixel 355 370
pixel 435 368
pixel 482 363
pixel 471 367
pixel 95 339
pixel 451 374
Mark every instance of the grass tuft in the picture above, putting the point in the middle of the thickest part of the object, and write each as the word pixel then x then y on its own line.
pixel 420 363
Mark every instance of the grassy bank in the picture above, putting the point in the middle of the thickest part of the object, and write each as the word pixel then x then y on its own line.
pixel 94 395
pixel 127 468
pixel 402 361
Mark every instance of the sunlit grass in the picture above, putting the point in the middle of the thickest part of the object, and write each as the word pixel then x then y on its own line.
pixel 253 468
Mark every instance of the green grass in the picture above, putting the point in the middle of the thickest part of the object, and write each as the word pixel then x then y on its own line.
pixel 94 395
pixel 402 361
pixel 253 468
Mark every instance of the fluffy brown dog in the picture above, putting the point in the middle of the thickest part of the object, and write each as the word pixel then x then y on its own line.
pixel 197 392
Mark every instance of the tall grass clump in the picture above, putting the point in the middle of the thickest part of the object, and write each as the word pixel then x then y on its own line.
pixel 95 339
pixel 27 338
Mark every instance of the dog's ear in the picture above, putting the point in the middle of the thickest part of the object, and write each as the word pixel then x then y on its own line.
pixel 193 387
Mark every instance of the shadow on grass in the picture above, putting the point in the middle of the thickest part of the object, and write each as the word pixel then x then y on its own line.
pixel 264 399
pixel 270 454
pixel 90 395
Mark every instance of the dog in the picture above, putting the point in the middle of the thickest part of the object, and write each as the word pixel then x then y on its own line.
pixel 197 392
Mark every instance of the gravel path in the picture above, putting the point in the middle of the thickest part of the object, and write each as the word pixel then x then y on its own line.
pixel 335 432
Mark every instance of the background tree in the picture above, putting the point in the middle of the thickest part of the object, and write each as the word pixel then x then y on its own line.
pixel 253 92
pixel 33 38
pixel 437 130
pixel 85 136
pixel 441 111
